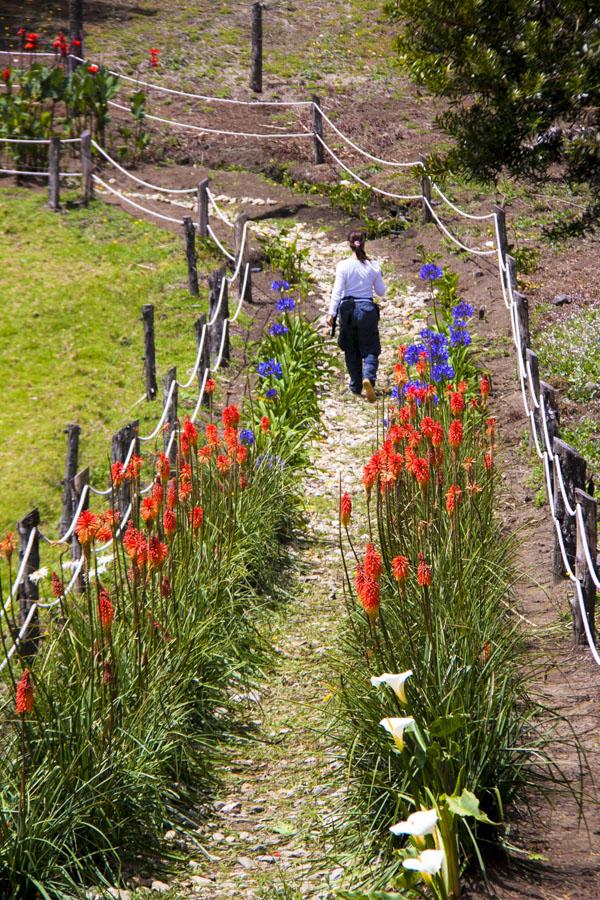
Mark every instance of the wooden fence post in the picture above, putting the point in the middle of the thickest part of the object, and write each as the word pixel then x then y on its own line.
pixel 54 174
pixel 257 48
pixel 511 271
pixel 170 424
pixel 589 508
pixel 87 182
pixel 149 351
pixel 78 484
pixel 204 364
pixel 317 124
pixel 121 443
pixel 242 250
pixel 27 590
pixel 522 316
pixel 203 208
pixel 425 192
pixel 533 375
pixel 72 431
pixel 190 253
pixel 502 234
pixel 573 467
pixel 215 331
pixel 76 28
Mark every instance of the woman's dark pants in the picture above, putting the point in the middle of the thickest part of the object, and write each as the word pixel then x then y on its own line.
pixel 362 345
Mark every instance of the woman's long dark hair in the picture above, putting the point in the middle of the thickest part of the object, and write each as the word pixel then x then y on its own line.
pixel 357 239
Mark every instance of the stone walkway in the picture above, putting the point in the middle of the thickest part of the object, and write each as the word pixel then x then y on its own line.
pixel 271 834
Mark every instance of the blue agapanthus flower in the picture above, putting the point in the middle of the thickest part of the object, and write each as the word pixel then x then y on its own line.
pixel 280 286
pixel 395 392
pixel 270 367
pixel 436 345
pixel 286 304
pixel 412 352
pixel 270 461
pixel 278 329
pixel 271 394
pixel 247 437
pixel 459 336
pixel 442 371
pixel 430 272
pixel 462 311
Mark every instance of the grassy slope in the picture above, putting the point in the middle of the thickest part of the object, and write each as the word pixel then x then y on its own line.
pixel 72 290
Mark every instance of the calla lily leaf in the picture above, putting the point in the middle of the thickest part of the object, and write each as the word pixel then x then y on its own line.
pixel 447 725
pixel 465 805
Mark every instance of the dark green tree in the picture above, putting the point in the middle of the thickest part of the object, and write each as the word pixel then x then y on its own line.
pixel 522 79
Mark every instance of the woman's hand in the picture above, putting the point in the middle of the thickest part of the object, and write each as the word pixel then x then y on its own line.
pixel 330 321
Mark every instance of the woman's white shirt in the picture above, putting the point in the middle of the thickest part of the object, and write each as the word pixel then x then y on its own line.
pixel 356 279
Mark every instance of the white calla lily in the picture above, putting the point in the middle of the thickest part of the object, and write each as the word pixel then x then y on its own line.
pixel 428 863
pixel 396 682
pixel 396 727
pixel 417 824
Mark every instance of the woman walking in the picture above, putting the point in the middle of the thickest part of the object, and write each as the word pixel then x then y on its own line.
pixel 356 280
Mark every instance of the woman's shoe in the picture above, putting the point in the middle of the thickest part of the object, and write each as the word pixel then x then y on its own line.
pixel 369 390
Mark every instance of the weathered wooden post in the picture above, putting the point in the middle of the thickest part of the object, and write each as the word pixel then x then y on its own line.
pixel 27 590
pixel 589 509
pixel 190 253
pixel 72 431
pixel 204 364
pixel 54 174
pixel 87 182
pixel 121 443
pixel 203 208
pixel 149 351
pixel 170 404
pixel 573 467
pixel 511 271
pixel 76 30
pixel 425 191
pixel 317 124
pixel 522 317
pixel 215 331
pixel 502 234
pixel 242 252
pixel 533 376
pixel 78 485
pixel 257 48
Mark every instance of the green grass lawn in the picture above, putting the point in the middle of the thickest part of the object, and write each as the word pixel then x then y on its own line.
pixel 73 285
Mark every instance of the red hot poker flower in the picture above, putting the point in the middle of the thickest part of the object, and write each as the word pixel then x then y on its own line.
pixel 169 523
pixel 158 494
pixel 163 467
pixel 24 695
pixel 488 461
pixel 455 433
pixel 453 496
pixel 86 527
pixel 6 73
pixel 359 581
pixel 204 453
pixel 265 424
pixel 196 517
pixel 172 494
pixel 135 467
pixel 424 576
pixel 420 469
pixel 117 474
pixel 157 553
pixel 457 403
pixel 106 673
pixel 345 509
pixel 212 435
pixel 231 416
pixel 107 610
pixel 241 455
pixel 209 387
pixel 8 546
pixel 371 599
pixel 223 463
pixel 370 473
pixel 149 511
pixel 437 434
pixel 373 566
pixel 165 588
pixel 58 588
pixel 93 69
pixel 190 430
pixel 484 387
pixel 400 568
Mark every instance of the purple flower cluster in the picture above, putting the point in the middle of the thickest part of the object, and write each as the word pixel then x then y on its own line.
pixel 278 329
pixel 280 286
pixel 430 272
pixel 285 304
pixel 459 335
pixel 247 437
pixel 270 367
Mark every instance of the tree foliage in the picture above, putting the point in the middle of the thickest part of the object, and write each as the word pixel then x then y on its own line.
pixel 522 78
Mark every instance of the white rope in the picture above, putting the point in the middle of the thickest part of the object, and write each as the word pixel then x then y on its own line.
pixel 23 563
pixel 223 216
pixel 452 237
pixel 17 140
pixel 361 180
pixel 141 181
pixel 223 250
pixel 144 209
pixel 547 440
pixel 165 412
pixel 240 252
pixel 39 174
pixel 27 53
pixel 203 130
pixel 584 617
pixel 586 547
pixel 19 637
pixel 457 209
pixel 67 536
pixel 534 399
pixel 558 469
pixel 377 159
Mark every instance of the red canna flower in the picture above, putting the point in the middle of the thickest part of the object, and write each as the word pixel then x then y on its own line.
pixel 6 73
pixel 400 568
pixel 455 433
pixel 371 599
pixel 60 44
pixel 58 588
pixel 424 576
pixel 484 387
pixel 117 474
pixel 373 566
pixel 24 695
pixel 8 546
pixel 172 494
pixel 22 32
pixel 107 610
pixel 165 588
pixel 231 416
pixel 223 463
pixel 31 41
pixel 209 387
pixel 453 496
pixel 196 517
pixel 75 43
pixel 265 424
pixel 169 523
pixel 157 553
pixel 457 403
pixel 212 435
pixel 93 69
pixel 345 509
pixel 86 528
